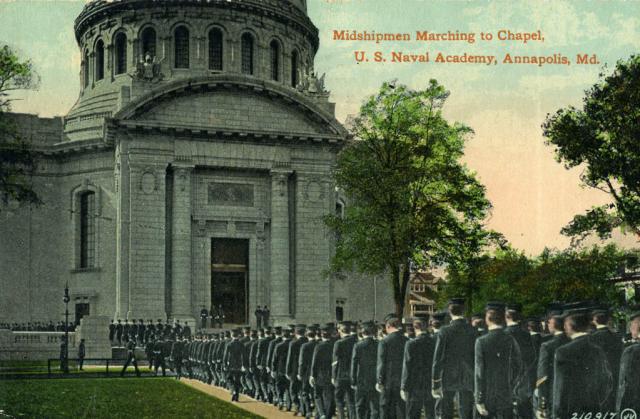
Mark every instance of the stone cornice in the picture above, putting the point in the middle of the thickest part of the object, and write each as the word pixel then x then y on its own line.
pixel 209 133
pixel 71 147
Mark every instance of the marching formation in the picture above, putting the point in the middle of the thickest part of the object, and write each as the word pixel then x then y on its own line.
pixel 494 366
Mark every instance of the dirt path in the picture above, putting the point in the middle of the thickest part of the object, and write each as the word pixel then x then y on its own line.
pixel 246 403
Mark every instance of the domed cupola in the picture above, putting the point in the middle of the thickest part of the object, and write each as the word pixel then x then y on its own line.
pixel 129 48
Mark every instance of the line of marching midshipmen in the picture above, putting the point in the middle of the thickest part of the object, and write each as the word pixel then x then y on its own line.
pixel 504 370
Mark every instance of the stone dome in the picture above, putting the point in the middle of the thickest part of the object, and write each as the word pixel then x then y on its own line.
pixel 131 47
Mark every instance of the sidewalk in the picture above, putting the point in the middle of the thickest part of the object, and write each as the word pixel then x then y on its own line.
pixel 247 403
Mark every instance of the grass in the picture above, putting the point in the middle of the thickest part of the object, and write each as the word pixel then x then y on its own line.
pixel 111 398
pixel 13 368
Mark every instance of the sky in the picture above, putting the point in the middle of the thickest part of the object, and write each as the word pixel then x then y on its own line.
pixel 533 195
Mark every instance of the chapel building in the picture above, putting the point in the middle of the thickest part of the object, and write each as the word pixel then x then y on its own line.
pixel 194 170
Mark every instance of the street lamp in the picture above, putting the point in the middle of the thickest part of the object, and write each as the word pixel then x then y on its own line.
pixel 66 300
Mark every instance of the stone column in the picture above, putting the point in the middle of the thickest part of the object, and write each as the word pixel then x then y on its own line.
pixel 279 308
pixel 121 187
pixel 181 244
pixel 147 240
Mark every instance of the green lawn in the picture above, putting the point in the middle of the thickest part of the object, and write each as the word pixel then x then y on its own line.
pixel 40 368
pixel 111 398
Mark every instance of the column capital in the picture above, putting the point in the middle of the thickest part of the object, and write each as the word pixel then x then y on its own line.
pixel 280 173
pixel 182 168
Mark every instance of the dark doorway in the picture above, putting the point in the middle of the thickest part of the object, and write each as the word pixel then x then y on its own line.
pixel 339 313
pixel 82 309
pixel 230 278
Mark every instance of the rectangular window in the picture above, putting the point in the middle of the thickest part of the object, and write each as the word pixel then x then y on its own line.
pixel 215 50
pixel 181 47
pixel 87 230
pixel 246 50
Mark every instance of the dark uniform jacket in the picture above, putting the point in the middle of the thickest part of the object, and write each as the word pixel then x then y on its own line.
pixel 247 350
pixel 529 361
pixel 389 365
pixel 363 364
pixel 125 330
pixel 263 348
pixel 498 367
pixel 293 356
pixel 453 357
pixel 279 363
pixel 544 383
pixel 536 340
pixel 342 353
pixel 81 350
pixel 271 351
pixel 582 381
pixel 233 356
pixel 177 351
pixel 629 381
pixel 611 344
pixel 186 332
pixel 304 361
pixel 253 355
pixel 416 367
pixel 321 363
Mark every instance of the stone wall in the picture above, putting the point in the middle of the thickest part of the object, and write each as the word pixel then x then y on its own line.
pixel 42 255
pixel 16 346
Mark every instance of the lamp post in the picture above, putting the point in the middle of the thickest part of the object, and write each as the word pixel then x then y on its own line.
pixel 66 300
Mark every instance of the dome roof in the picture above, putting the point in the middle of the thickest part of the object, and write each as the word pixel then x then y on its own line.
pixel 292 11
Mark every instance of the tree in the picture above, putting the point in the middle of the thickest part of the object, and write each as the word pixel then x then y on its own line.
pixel 411 202
pixel 603 137
pixel 17 158
pixel 568 275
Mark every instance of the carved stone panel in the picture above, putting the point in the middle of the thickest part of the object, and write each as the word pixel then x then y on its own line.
pixel 231 194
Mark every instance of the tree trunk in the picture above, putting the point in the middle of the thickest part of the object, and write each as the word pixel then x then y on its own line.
pixel 406 277
pixel 398 296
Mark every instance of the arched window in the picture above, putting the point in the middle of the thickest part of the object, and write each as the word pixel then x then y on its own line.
pixel 275 60
pixel 85 73
pixel 100 60
pixel 121 53
pixel 149 42
pixel 246 48
pixel 181 44
pixel 215 49
pixel 87 230
pixel 294 69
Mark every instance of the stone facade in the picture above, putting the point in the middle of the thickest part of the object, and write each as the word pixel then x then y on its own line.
pixel 155 163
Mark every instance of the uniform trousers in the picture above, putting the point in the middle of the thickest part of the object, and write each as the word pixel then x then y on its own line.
pixel 131 359
pixel 367 403
pixel 391 404
pixel 159 363
pixel 282 391
pixel 345 398
pixel 306 400
pixel 234 382
pixel 524 409
pixel 257 389
pixel 498 414
pixel 295 387
pixel 418 402
pixel 264 385
pixel 325 403
pixel 444 405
